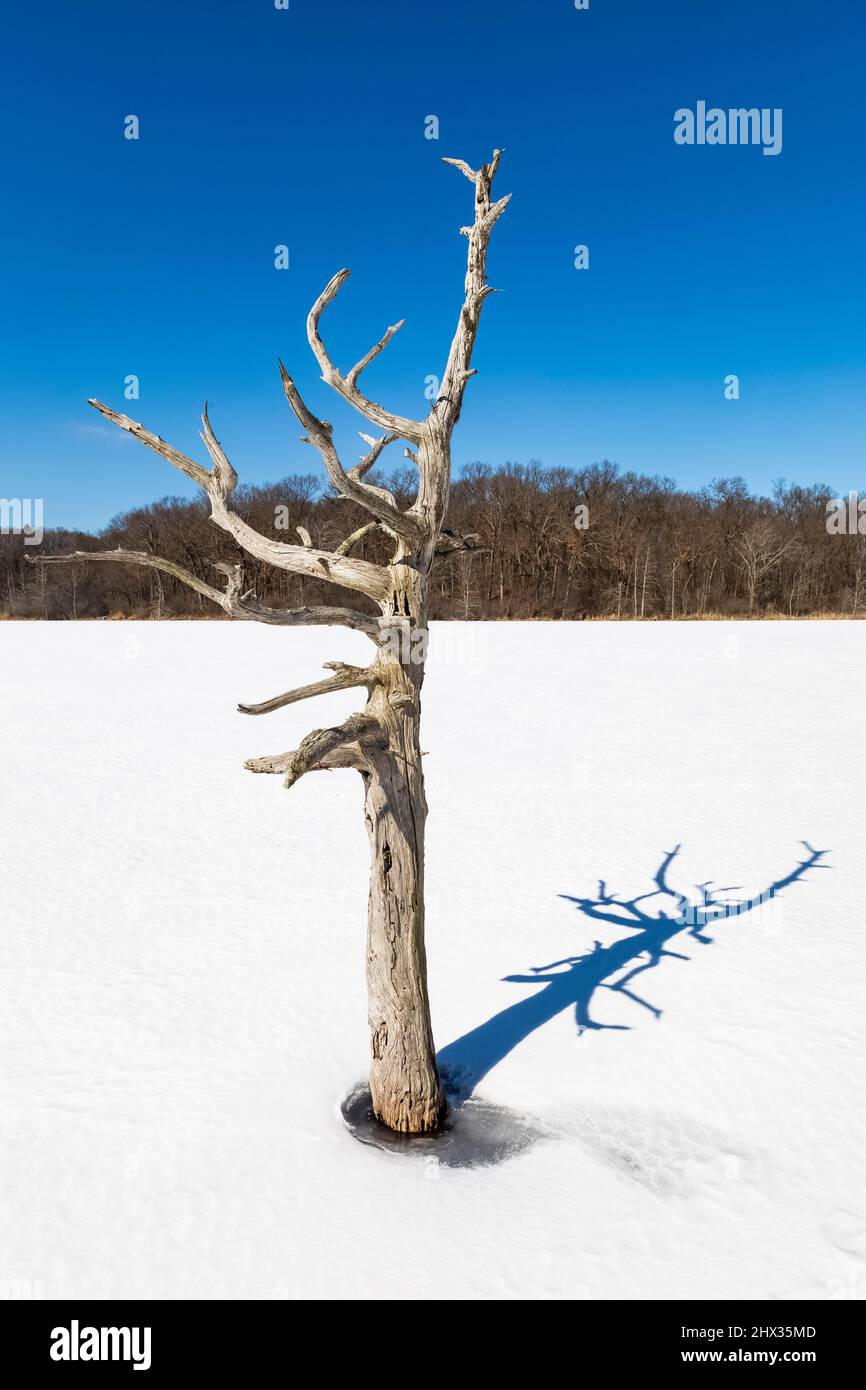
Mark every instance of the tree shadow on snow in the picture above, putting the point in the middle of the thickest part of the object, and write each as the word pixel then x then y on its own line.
pixel 575 981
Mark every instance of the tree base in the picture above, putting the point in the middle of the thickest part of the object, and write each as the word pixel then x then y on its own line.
pixel 476 1134
pixel 409 1114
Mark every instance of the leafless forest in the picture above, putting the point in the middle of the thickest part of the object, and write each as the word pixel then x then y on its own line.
pixel 650 550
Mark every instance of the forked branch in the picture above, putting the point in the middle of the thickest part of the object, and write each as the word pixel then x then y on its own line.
pixel 376 500
pixel 347 385
pixel 433 455
pixel 342 746
pixel 219 484
pixel 458 369
pixel 375 448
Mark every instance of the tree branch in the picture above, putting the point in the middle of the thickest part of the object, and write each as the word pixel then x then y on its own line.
pixel 360 366
pixel 368 459
pixel 458 369
pixel 225 476
pixel 345 678
pixel 347 385
pixel 433 456
pixel 464 168
pixel 349 573
pixel 375 500
pixel 325 748
pixel 345 546
pixel 229 599
pixel 135 557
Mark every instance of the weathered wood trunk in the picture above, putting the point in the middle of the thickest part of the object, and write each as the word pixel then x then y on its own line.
pixel 404 1079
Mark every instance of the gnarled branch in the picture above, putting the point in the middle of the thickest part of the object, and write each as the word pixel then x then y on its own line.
pixel 376 500
pixel 433 455
pixel 341 746
pixel 345 546
pixel 347 385
pixel 368 459
pixel 229 599
pixel 349 573
pixel 135 557
pixel 458 369
pixel 344 678
pixel 225 477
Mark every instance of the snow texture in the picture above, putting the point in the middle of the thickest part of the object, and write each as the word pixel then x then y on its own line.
pixel 183 968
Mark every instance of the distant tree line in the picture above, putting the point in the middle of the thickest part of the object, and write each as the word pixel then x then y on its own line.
pixel 649 550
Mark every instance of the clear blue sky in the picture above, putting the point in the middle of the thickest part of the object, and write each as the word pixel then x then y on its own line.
pixel 306 127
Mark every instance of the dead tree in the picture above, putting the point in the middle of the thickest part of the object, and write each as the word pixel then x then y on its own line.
pixel 382 741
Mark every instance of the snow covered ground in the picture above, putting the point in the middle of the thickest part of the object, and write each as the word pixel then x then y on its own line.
pixel 183 1005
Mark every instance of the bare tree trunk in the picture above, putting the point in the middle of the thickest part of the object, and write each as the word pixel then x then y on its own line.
pixel 404 1079
pixel 643 589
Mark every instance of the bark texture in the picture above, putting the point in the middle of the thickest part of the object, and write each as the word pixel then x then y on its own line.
pixel 382 742
pixel 404 1081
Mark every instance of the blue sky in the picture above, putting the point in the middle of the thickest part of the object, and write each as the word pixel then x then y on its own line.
pixel 306 127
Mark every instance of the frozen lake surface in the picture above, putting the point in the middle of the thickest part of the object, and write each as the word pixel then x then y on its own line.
pixel 182 959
